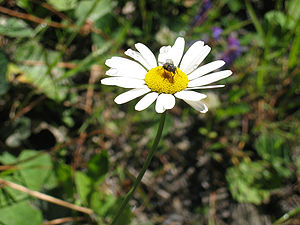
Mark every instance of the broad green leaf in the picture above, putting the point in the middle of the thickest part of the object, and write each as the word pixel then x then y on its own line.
pixel 126 216
pixel 3 70
pixel 64 177
pixel 84 186
pixel 25 4
pixel 37 75
pixel 248 182
pixel 235 5
pixel 272 148
pixel 274 16
pixel 278 18
pixel 63 5
pixel 36 170
pixel 98 165
pixel 102 203
pixel 9 195
pixel 13 27
pixel 33 170
pixel 7 158
pixel 293 8
pixel 106 206
pixel 20 213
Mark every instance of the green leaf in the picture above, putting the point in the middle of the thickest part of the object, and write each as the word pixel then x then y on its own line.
pixel 36 170
pixel 84 186
pixel 272 148
pixel 98 165
pixel 63 5
pixel 102 203
pixel 7 158
pixel 293 8
pixel 11 196
pixel 277 18
pixel 102 8
pixel 25 4
pixel 125 217
pixel 37 75
pixel 248 182
pixel 234 5
pixel 106 206
pixel 13 27
pixel 64 177
pixel 3 69
pixel 20 214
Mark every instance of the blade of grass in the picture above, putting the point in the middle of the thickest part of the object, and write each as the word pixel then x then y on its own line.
pixel 261 73
pixel 255 20
pixel 295 49
pixel 71 38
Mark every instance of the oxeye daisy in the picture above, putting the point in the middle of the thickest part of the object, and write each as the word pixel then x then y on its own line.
pixel 171 75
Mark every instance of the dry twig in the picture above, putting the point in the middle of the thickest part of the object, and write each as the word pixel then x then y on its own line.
pixel 45 197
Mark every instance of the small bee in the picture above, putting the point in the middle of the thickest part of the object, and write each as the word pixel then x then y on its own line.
pixel 169 66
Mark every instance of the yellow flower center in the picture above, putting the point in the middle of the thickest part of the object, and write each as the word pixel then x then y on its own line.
pixel 161 80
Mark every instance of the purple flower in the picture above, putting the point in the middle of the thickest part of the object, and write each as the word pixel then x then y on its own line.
pixel 233 51
pixel 216 33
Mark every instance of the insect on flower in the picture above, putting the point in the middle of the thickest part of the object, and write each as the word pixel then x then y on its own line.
pixel 170 67
pixel 172 75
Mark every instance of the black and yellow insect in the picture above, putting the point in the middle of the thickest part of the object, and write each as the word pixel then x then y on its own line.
pixel 170 67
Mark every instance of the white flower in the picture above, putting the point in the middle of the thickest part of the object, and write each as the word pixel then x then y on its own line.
pixel 164 80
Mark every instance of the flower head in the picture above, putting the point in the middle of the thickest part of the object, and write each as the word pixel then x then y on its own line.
pixel 233 51
pixel 163 80
pixel 216 33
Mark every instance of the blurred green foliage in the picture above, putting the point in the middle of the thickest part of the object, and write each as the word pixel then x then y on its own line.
pixel 52 56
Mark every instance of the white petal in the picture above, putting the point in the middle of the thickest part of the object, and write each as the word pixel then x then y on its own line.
pixel 126 72
pixel 126 66
pixel 199 106
pixel 190 95
pixel 164 102
pixel 210 78
pixel 123 82
pixel 130 95
pixel 164 54
pixel 206 87
pixel 191 54
pixel 138 57
pixel 147 54
pixel 146 101
pixel 206 69
pixel 195 59
pixel 112 72
pixel 177 51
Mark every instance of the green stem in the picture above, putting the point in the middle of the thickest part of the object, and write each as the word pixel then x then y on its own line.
pixel 255 20
pixel 264 37
pixel 145 167
pixel 287 216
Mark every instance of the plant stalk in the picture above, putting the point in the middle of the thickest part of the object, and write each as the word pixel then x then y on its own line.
pixel 142 172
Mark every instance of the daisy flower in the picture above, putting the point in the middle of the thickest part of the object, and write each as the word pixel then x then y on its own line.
pixel 172 75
